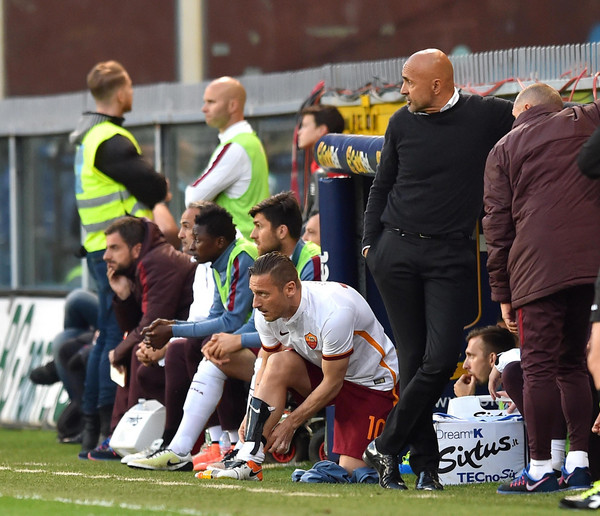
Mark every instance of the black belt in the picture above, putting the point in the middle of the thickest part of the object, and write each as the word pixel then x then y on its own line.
pixel 456 235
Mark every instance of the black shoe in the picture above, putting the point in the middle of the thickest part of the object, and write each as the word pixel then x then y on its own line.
pixel 428 481
pixel 386 467
pixel 44 375
pixel 104 452
pixel 90 434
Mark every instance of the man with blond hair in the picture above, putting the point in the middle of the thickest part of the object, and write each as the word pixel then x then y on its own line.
pixel 112 179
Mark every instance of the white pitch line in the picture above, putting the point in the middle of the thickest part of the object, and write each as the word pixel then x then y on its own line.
pixel 109 503
pixel 204 484
pixel 283 493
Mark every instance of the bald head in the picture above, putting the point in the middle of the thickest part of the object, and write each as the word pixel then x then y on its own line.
pixel 224 101
pixel 428 81
pixel 536 95
pixel 435 64
pixel 230 88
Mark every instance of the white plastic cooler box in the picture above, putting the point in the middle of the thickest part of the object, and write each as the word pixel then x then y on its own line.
pixel 139 426
pixel 479 442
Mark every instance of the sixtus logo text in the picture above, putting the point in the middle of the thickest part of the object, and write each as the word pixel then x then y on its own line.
pixel 471 455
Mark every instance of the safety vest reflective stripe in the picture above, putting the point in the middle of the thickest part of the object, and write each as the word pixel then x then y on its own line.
pixel 100 226
pixel 100 199
pixel 94 202
pixel 137 207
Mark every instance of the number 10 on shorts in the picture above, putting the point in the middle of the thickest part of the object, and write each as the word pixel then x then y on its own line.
pixel 375 427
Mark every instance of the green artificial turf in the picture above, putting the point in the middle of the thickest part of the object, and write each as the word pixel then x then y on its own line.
pixel 39 476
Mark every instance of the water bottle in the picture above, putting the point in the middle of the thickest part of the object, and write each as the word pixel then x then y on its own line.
pixel 224 443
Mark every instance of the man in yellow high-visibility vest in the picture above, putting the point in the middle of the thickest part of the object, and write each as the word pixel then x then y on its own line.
pixel 111 180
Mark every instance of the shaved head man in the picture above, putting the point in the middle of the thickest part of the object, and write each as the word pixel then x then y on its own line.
pixel 224 101
pixel 428 81
pixel 421 213
pixel 237 174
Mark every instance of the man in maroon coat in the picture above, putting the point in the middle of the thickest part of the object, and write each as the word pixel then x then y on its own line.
pixel 542 219
pixel 150 280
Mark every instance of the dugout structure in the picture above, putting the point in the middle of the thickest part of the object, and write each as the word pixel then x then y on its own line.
pixel 38 266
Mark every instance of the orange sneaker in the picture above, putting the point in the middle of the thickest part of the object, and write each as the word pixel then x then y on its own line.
pixel 207 452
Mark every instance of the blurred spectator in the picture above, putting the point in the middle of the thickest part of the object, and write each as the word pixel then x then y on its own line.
pixel 316 122
pixel 70 349
pixel 312 230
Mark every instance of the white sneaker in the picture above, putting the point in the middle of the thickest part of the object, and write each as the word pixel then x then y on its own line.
pixel 229 457
pixel 145 453
pixel 237 469
pixel 164 460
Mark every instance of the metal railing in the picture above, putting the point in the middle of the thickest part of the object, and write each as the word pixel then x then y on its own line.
pixel 499 72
